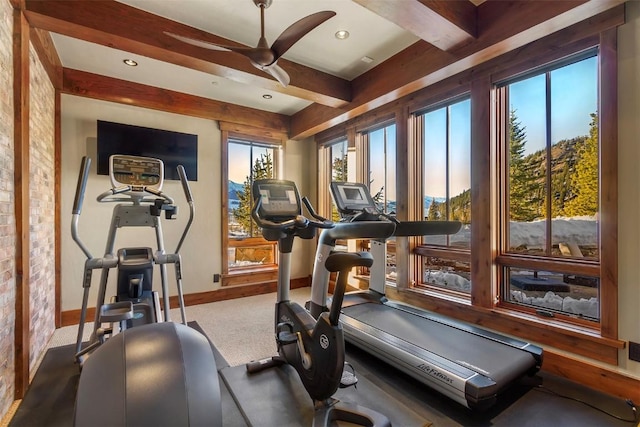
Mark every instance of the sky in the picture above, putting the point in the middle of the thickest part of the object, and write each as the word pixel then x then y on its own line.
pixel 573 98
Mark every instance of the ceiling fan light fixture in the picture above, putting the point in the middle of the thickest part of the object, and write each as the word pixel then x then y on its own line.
pixel 130 62
pixel 342 34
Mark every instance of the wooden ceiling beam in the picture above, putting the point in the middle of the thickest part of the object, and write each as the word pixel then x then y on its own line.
pixel 119 26
pixel 502 27
pixel 89 85
pixel 444 24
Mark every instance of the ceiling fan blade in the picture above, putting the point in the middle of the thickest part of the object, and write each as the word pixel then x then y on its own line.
pixel 276 71
pixel 211 46
pixel 297 30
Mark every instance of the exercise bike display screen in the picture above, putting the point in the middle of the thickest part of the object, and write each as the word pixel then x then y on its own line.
pixel 278 198
pixel 351 197
pixel 136 171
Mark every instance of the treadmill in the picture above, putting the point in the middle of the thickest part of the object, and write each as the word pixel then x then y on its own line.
pixel 462 361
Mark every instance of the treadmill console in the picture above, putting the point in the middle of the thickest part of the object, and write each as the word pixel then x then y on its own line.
pixel 279 199
pixel 136 172
pixel 353 198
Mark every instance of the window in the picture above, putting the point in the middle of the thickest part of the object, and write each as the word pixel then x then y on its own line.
pixel 248 157
pixel 549 251
pixel 446 193
pixel 336 163
pixel 380 176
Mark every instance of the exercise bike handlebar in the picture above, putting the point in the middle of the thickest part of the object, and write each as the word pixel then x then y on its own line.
pixel 297 222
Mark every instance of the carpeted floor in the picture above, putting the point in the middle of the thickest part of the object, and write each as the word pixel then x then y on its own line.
pixel 242 330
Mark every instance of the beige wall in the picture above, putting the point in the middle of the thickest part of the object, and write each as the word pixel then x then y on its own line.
pixel 629 183
pixel 202 250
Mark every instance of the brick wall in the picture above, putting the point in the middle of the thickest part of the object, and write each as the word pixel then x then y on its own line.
pixel 42 209
pixel 7 222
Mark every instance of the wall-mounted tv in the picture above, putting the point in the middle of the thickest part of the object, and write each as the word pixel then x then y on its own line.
pixel 173 148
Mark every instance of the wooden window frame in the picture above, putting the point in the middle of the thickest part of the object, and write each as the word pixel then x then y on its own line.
pixel 481 306
pixel 253 275
pixel 420 249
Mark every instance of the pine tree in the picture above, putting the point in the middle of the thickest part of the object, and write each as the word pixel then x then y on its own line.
pixel 584 182
pixel 340 174
pixel 522 189
pixel 262 168
pixel 434 210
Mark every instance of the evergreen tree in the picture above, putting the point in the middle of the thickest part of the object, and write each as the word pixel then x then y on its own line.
pixel 584 182
pixel 522 195
pixel 339 167
pixel 340 173
pixel 434 213
pixel 262 168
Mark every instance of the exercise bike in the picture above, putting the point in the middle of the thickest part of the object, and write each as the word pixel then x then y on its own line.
pixel 136 187
pixel 314 348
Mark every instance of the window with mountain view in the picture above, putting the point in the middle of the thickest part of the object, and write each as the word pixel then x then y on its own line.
pixel 446 189
pixel 550 203
pixel 247 161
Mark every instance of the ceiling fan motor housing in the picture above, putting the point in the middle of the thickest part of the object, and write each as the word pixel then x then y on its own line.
pixel 263 3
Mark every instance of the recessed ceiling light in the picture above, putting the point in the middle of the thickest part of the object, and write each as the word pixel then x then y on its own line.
pixel 267 96
pixel 367 59
pixel 342 34
pixel 130 62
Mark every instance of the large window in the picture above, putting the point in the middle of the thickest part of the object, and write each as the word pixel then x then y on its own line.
pixel 446 193
pixel 551 189
pixel 380 146
pixel 248 158
pixel 524 153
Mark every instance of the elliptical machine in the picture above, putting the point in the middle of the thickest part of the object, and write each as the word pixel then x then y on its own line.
pixel 136 183
pixel 315 348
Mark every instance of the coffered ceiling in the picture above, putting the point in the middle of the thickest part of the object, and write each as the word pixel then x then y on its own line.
pixel 394 47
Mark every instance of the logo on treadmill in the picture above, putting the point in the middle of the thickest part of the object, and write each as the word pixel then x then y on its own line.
pixel 324 341
pixel 435 373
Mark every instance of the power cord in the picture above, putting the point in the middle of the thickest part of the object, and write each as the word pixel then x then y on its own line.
pixel 634 408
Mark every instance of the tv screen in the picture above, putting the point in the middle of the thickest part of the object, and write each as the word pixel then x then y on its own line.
pixel 173 148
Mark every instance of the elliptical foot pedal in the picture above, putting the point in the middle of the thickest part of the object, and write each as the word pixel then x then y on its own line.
pixel 349 378
pixel 286 334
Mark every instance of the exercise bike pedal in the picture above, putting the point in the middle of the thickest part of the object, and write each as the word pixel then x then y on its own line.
pixel 349 378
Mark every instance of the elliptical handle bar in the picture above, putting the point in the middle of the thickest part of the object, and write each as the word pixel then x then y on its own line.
pixel 185 184
pixel 187 193
pixel 83 177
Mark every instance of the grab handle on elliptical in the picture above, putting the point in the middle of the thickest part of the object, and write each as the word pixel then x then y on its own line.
pixel 187 193
pixel 185 183
pixel 83 177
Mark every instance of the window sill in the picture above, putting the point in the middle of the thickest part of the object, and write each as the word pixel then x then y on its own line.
pixel 251 275
pixel 578 340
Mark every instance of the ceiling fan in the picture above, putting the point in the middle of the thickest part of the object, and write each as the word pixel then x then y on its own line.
pixel 262 56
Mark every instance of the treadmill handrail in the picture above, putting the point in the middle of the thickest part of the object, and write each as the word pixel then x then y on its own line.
pixel 357 230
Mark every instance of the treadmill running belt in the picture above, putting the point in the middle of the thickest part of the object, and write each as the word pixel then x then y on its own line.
pixel 497 361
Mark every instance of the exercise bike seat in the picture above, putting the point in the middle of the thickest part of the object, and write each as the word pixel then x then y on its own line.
pixel 160 374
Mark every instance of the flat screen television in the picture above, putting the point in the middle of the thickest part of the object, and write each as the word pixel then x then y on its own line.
pixel 173 148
